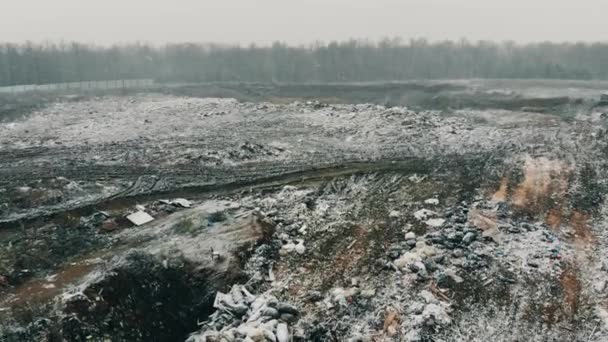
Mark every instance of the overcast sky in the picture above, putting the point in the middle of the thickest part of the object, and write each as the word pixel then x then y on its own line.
pixel 301 21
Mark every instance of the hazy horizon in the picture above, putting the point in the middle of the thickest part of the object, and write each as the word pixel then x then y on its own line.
pixel 302 22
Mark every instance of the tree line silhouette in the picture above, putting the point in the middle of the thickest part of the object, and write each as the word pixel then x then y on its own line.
pixel 347 61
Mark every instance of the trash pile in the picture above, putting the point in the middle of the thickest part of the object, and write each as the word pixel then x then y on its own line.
pixel 113 220
pixel 427 265
pixel 241 316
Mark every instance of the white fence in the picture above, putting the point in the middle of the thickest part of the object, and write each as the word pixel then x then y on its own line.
pixel 84 85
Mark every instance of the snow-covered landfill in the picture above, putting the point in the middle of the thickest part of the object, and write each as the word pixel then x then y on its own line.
pixel 164 217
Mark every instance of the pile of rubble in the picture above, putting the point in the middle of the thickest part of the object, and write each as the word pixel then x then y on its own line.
pixel 241 316
pixel 447 263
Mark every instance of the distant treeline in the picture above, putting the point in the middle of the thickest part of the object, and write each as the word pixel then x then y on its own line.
pixel 348 61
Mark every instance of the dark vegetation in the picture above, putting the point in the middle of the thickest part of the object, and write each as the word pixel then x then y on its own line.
pixel 349 61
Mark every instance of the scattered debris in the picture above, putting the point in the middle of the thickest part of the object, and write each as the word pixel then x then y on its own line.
pixel 424 214
pixel 178 202
pixel 139 218
pixel 391 322
pixel 240 316
pixel 435 222
pixel 432 201
pixel 394 214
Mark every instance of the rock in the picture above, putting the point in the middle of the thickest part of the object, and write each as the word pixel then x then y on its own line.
pixel 300 249
pixel 447 278
pixel 282 333
pixel 289 318
pixel 292 247
pixel 418 267
pixel 369 293
pixel 468 238
pixel 410 236
pixel 394 214
pixel 239 309
pixel 431 201
pixel 435 314
pixel 458 253
pixel 435 222
pixel 407 259
pixel 271 312
pixel 287 248
pixel 424 214
pixel 269 335
pixel 256 334
pixel 287 308
pixel 424 250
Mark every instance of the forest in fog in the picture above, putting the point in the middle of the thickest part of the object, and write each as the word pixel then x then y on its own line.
pixel 348 61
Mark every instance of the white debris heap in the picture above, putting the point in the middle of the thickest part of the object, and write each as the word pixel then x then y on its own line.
pixel 261 318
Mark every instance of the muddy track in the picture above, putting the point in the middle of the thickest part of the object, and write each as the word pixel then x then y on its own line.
pixel 224 181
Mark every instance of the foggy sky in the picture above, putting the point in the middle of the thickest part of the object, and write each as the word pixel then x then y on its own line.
pixel 301 21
